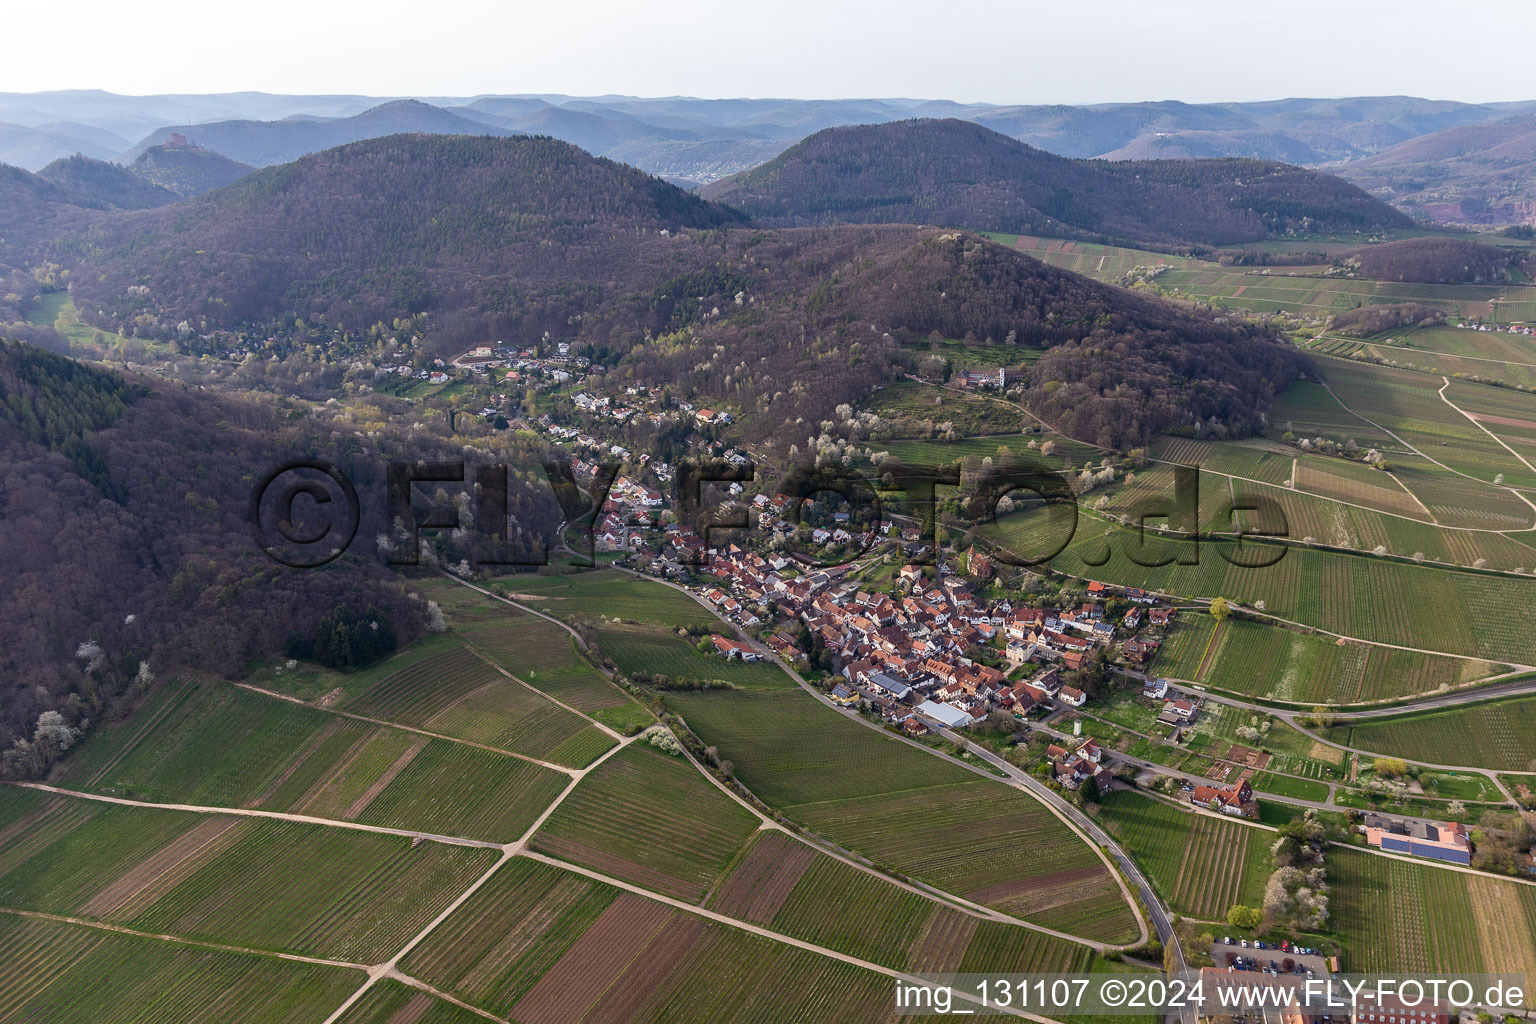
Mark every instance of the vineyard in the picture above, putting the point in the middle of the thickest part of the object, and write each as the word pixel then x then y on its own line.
pixel 1202 864
pixel 840 907
pixel 1394 602
pixel 457 694
pixel 908 811
pixel 392 1002
pixel 541 654
pixel 1380 906
pixel 218 745
pixel 652 819
pixel 538 944
pixel 59 972
pixel 451 789
pixel 269 885
pixel 1497 734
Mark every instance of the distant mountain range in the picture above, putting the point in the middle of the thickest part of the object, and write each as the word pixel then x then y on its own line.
pixel 955 173
pixel 695 141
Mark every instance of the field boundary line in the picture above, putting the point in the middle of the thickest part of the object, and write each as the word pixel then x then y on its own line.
pixel 563 769
pixel 252 812
pixel 472 649
pixel 180 940
pixel 389 968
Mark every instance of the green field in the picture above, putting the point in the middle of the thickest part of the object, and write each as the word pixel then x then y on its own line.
pixel 390 1002
pixel 657 653
pixel 909 811
pixel 263 884
pixel 60 972
pixel 605 593
pixel 538 652
pixel 1497 734
pixel 649 818
pixel 1200 863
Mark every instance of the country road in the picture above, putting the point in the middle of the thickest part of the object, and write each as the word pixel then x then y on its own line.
pixel 1053 801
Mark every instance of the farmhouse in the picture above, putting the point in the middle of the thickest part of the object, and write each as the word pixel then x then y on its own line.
pixel 1234 800
pixel 735 649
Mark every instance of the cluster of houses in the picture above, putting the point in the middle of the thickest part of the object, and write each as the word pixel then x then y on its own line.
pixel 1528 331
pixel 1072 768
pixel 528 367
pixel 630 512
pixel 907 656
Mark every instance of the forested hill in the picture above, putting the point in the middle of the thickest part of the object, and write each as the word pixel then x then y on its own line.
pixel 188 170
pixel 526 227
pixel 128 540
pixel 1441 261
pixel 959 174
pixel 103 185
pixel 826 313
pixel 512 238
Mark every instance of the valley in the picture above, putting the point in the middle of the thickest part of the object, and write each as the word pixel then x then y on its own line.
pixel 939 540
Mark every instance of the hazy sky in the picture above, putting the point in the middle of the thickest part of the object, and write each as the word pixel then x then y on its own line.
pixel 992 50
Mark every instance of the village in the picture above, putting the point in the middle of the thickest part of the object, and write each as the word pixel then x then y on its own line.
pixel 926 640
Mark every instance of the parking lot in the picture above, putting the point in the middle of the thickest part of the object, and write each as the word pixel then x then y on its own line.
pixel 1272 957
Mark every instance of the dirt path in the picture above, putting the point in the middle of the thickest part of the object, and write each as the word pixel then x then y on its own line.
pixel 562 769
pixel 757 930
pixel 1476 422
pixel 937 895
pixel 389 968
pixel 179 939
pixel 251 812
